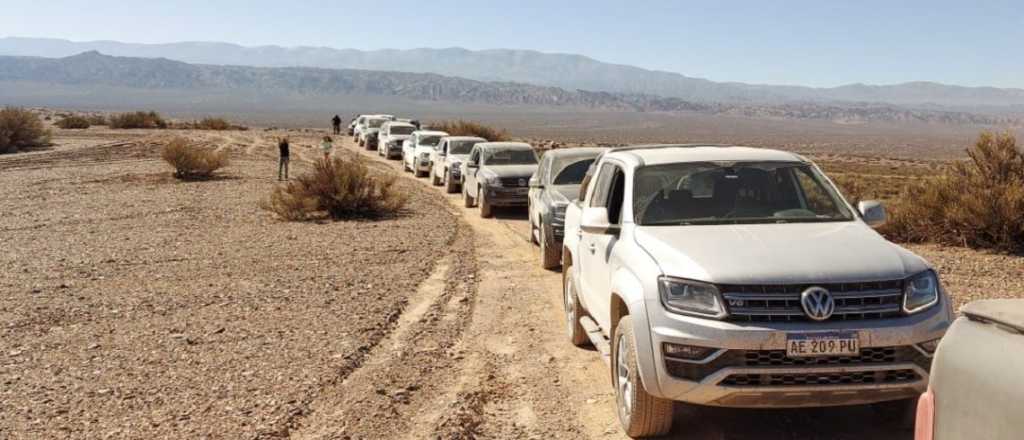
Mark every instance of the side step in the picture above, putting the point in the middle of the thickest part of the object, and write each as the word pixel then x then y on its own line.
pixel 597 338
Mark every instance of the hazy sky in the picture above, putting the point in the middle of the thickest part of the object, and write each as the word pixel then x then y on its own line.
pixel 819 43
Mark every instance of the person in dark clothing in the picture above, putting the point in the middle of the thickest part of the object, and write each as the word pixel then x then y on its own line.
pixel 282 166
pixel 336 121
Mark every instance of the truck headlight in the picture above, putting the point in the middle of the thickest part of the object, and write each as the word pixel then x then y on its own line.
pixel 691 297
pixel 492 180
pixel 920 292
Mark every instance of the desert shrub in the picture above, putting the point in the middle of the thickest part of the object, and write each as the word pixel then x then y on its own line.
pixel 73 122
pixel 96 119
pixel 210 124
pixel 137 120
pixel 20 128
pixel 339 189
pixel 977 203
pixel 191 161
pixel 470 128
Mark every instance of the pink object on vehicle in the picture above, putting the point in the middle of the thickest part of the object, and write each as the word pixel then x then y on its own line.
pixel 925 425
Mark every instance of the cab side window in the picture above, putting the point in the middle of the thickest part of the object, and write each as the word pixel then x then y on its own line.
pixel 609 191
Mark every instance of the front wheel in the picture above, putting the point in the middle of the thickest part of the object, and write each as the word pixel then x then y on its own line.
pixel 641 414
pixel 449 185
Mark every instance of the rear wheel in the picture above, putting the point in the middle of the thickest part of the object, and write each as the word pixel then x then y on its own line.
pixel 485 206
pixel 450 186
pixel 573 311
pixel 641 414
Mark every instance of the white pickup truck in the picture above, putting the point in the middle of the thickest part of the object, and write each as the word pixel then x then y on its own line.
pixel 739 277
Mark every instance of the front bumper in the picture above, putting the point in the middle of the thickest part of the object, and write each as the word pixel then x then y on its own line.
pixel 750 368
pixel 502 196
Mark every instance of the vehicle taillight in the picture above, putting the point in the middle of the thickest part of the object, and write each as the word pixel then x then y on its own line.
pixel 924 426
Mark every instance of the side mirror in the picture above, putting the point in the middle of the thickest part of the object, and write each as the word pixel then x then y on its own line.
pixel 872 212
pixel 594 220
pixel 535 183
pixel 471 164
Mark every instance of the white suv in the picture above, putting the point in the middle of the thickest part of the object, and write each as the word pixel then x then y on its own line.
pixel 446 161
pixel 392 136
pixel 739 277
pixel 416 151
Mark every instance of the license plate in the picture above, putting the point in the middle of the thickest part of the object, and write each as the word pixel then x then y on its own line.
pixel 842 343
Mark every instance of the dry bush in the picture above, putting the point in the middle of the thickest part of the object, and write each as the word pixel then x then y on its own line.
pixel 470 128
pixel 976 203
pixel 137 120
pixel 20 128
pixel 73 122
pixel 210 124
pixel 96 119
pixel 339 189
pixel 191 162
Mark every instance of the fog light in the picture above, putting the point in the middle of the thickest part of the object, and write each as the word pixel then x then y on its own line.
pixel 930 346
pixel 687 352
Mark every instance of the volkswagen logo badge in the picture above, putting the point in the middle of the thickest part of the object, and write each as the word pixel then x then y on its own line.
pixel 817 303
pixel 522 182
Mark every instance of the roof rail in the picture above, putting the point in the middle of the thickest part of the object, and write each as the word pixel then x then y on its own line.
pixel 660 146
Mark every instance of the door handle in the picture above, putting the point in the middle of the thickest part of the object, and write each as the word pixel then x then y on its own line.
pixel 593 248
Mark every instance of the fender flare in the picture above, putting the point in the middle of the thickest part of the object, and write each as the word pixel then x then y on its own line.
pixel 628 291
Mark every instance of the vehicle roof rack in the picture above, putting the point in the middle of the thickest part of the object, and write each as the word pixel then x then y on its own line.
pixel 660 146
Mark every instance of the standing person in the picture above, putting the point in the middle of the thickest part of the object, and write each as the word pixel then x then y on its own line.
pixel 282 166
pixel 327 145
pixel 336 121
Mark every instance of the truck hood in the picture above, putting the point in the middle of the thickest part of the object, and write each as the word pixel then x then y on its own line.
pixel 525 171
pixel 397 137
pixel 791 253
pixel 565 193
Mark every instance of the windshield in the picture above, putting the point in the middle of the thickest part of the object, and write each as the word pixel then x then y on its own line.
pixel 376 123
pixel 430 141
pixel 573 173
pixel 402 129
pixel 510 157
pixel 724 193
pixel 461 147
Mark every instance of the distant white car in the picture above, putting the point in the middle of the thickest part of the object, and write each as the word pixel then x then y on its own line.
pixel 370 126
pixel 446 161
pixel 392 135
pixel 416 150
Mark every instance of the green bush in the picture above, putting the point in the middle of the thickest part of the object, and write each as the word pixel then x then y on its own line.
pixel 469 128
pixel 20 128
pixel 210 124
pixel 976 203
pixel 191 162
pixel 338 189
pixel 96 119
pixel 137 120
pixel 73 122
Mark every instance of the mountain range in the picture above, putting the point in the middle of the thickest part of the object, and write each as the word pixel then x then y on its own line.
pixel 85 71
pixel 563 71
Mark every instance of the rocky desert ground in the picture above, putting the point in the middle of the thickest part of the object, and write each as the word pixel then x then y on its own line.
pixel 133 305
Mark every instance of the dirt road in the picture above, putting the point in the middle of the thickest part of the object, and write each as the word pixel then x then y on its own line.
pixel 133 306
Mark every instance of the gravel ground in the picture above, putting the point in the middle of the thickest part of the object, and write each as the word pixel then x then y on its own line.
pixel 136 306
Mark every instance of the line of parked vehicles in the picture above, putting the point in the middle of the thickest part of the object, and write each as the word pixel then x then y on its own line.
pixel 735 277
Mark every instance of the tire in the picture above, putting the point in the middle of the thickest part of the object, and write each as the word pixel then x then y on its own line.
pixel 416 172
pixel 467 201
pixel 533 231
pixel 486 211
pixel 901 414
pixel 573 312
pixel 550 256
pixel 641 414
pixel 433 177
pixel 449 185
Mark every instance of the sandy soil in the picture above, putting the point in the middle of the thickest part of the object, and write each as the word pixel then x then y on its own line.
pixel 135 306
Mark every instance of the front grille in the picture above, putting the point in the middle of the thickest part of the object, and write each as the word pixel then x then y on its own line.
pixel 831 378
pixel 778 358
pixel 854 301
pixel 512 182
